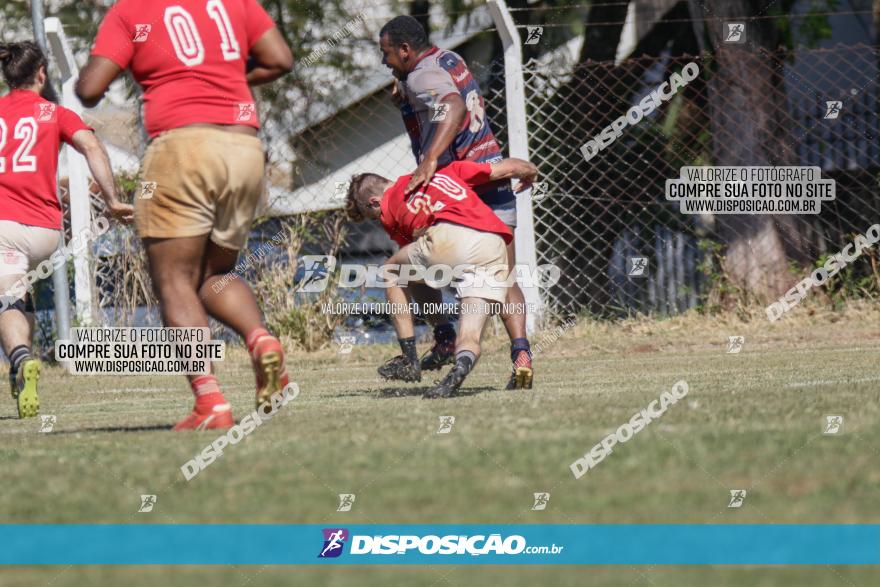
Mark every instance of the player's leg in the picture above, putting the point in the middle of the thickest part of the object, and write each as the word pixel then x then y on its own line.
pixel 22 248
pixel 443 351
pixel 176 272
pixel 175 223
pixel 514 317
pixel 16 335
pixel 233 303
pixel 481 287
pixel 513 314
pixel 405 366
pixel 238 186
pixel 472 319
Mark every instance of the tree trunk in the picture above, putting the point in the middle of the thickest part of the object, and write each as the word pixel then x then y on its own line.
pixel 747 100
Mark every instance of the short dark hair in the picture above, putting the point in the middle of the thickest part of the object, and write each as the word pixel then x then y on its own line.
pixel 405 29
pixel 362 184
pixel 21 62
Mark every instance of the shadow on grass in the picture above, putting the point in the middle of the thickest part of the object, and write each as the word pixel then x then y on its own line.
pixel 151 428
pixel 390 392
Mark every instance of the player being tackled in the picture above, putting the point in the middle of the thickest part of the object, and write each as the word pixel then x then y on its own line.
pixel 443 224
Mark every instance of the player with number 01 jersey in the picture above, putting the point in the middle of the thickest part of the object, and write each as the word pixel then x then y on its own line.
pixel 203 171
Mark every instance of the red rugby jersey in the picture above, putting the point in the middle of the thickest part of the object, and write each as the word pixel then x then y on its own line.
pixel 449 197
pixel 31 131
pixel 189 56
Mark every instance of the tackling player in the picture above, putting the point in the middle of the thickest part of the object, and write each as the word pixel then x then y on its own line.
pixel 444 114
pixel 204 166
pixel 31 132
pixel 445 223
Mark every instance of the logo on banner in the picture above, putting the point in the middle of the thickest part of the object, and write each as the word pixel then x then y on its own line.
pixel 334 540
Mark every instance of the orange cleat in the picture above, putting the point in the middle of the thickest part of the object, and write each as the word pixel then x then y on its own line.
pixel 211 417
pixel 268 360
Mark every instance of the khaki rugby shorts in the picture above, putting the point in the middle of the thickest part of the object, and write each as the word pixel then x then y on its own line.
pixel 483 253
pixel 198 181
pixel 22 248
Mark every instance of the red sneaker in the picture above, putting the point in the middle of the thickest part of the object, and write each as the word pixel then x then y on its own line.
pixel 207 417
pixel 268 360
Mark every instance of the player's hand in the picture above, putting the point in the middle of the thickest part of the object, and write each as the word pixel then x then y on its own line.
pixel 526 178
pixel 422 175
pixel 121 212
pixel 396 95
pixel 522 185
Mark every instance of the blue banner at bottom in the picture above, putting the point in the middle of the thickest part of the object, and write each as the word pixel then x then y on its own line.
pixel 145 544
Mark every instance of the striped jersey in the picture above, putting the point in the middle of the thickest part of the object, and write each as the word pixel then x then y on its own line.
pixel 437 75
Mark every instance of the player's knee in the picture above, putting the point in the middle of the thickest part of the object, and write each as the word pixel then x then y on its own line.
pixel 24 305
pixel 468 337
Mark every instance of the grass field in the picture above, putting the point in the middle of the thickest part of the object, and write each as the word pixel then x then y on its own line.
pixel 751 421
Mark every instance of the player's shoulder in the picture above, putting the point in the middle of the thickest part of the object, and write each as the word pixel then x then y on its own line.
pixel 18 98
pixel 448 60
pixel 398 188
pixel 438 60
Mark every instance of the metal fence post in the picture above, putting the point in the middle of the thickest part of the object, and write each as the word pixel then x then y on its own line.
pixel 518 137
pixel 77 173
pixel 59 278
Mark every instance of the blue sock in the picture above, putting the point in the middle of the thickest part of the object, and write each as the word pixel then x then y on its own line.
pixel 517 345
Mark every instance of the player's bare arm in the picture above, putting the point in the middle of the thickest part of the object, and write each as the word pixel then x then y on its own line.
pixel 271 58
pixel 93 150
pixel 513 168
pixel 446 131
pixel 94 80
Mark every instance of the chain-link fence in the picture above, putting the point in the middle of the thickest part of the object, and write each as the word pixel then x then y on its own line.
pixel 601 216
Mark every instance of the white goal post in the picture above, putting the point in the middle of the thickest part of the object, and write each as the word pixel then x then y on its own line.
pixel 518 136
pixel 77 172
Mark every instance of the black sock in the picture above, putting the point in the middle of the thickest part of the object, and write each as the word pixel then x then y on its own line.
pixel 17 356
pixel 465 360
pixel 408 346
pixel 517 345
pixel 444 334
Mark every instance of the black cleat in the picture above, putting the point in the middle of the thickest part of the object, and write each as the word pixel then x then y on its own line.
pixel 523 374
pixel 400 369
pixel 449 385
pixel 438 356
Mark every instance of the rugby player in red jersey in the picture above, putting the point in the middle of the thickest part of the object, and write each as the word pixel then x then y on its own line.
pixel 444 114
pixel 31 132
pixel 195 61
pixel 444 222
